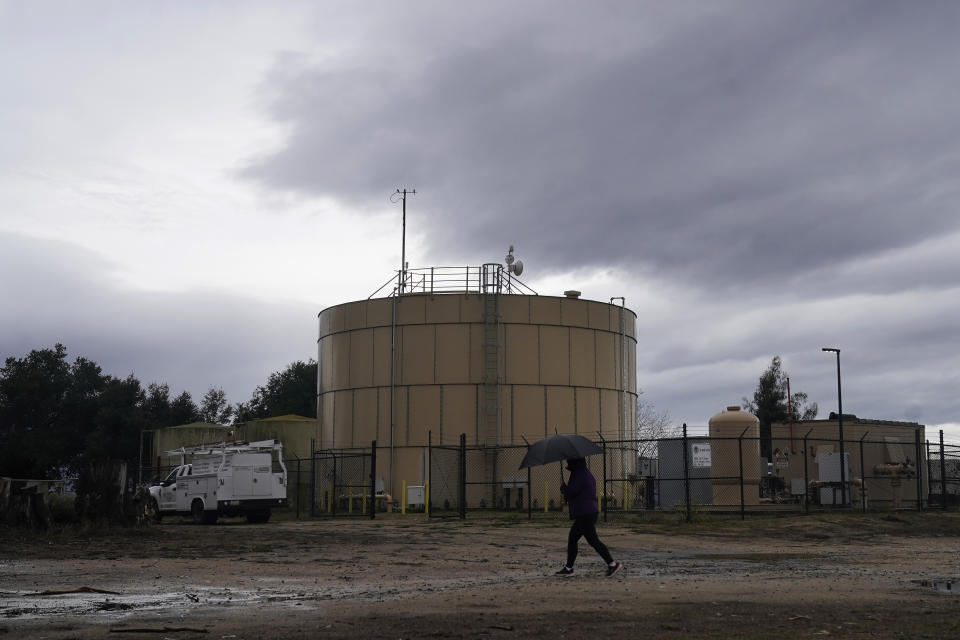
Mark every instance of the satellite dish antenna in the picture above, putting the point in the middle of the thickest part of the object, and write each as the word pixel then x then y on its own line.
pixel 514 266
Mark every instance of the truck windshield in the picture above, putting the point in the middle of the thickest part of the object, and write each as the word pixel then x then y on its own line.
pixel 172 477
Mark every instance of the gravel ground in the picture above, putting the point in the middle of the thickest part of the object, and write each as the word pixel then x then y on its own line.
pixel 845 575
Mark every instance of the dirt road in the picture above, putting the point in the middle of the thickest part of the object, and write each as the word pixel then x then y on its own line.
pixel 846 575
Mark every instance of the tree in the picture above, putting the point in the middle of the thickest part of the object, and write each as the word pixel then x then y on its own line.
pixel 770 405
pixel 53 414
pixel 293 390
pixel 652 426
pixel 214 406
pixel 157 404
pixel 121 416
pixel 183 410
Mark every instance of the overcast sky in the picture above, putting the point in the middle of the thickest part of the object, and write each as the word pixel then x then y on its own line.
pixel 185 185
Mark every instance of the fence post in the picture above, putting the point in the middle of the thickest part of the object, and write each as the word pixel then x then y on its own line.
pixel 426 489
pixel 806 478
pixel 686 474
pixel 332 499
pixel 313 476
pixel 299 482
pixel 373 479
pixel 916 457
pixel 463 476
pixel 603 494
pixel 863 476
pixel 403 497
pixel 943 474
pixel 740 452
pixel 529 494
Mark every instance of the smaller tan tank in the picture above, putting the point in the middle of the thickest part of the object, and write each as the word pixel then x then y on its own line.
pixel 726 428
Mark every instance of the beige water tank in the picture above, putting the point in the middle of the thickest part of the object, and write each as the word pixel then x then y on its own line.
pixel 497 368
pixel 733 432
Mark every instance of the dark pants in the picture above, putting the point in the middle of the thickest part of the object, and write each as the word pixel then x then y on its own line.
pixel 585 527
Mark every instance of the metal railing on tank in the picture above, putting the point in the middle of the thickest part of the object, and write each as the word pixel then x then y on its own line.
pixel 440 280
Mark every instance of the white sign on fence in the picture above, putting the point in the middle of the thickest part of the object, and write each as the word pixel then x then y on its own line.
pixel 701 454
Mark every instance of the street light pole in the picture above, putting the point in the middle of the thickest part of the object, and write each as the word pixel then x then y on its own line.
pixel 843 466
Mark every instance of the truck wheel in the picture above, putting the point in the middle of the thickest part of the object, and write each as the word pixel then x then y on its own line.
pixel 152 512
pixel 196 511
pixel 258 517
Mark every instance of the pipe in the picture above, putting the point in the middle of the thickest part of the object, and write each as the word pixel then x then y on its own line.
pixel 619 374
pixel 393 374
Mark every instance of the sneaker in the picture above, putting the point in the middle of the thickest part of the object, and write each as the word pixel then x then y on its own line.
pixel 612 570
pixel 564 572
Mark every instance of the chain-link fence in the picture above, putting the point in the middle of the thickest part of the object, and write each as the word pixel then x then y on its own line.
pixel 345 483
pixel 685 475
pixel 943 470
pixel 446 480
pixel 727 475
pixel 496 484
pixel 691 474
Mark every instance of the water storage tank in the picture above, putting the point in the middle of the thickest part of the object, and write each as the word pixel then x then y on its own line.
pixel 731 432
pixel 473 357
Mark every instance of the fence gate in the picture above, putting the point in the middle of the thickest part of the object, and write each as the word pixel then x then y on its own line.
pixel 445 481
pixel 345 483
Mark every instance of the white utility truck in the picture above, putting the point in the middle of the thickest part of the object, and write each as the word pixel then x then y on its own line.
pixel 239 478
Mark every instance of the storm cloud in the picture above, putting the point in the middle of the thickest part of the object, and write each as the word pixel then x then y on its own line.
pixel 752 145
pixel 182 190
pixel 191 340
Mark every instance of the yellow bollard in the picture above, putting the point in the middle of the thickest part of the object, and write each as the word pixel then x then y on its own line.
pixel 403 498
pixel 350 501
pixel 329 498
pixel 426 498
pixel 364 503
pixel 546 495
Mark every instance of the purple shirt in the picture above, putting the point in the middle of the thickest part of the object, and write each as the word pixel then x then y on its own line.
pixel 581 493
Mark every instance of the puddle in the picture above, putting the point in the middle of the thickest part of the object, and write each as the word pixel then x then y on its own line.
pixel 951 586
pixel 27 605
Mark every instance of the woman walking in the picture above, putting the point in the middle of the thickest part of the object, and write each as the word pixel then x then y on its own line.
pixel 581 495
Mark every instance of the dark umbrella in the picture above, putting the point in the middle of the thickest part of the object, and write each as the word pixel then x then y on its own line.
pixel 558 447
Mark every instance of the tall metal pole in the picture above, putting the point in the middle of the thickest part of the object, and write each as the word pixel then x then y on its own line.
pixel 943 475
pixel 403 242
pixel 790 414
pixel 843 469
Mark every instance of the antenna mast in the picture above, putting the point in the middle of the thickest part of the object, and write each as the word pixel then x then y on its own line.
pixel 403 242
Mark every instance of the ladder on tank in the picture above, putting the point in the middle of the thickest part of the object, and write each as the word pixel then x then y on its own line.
pixel 491 285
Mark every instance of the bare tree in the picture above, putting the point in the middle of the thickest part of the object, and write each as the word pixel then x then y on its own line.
pixel 652 426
